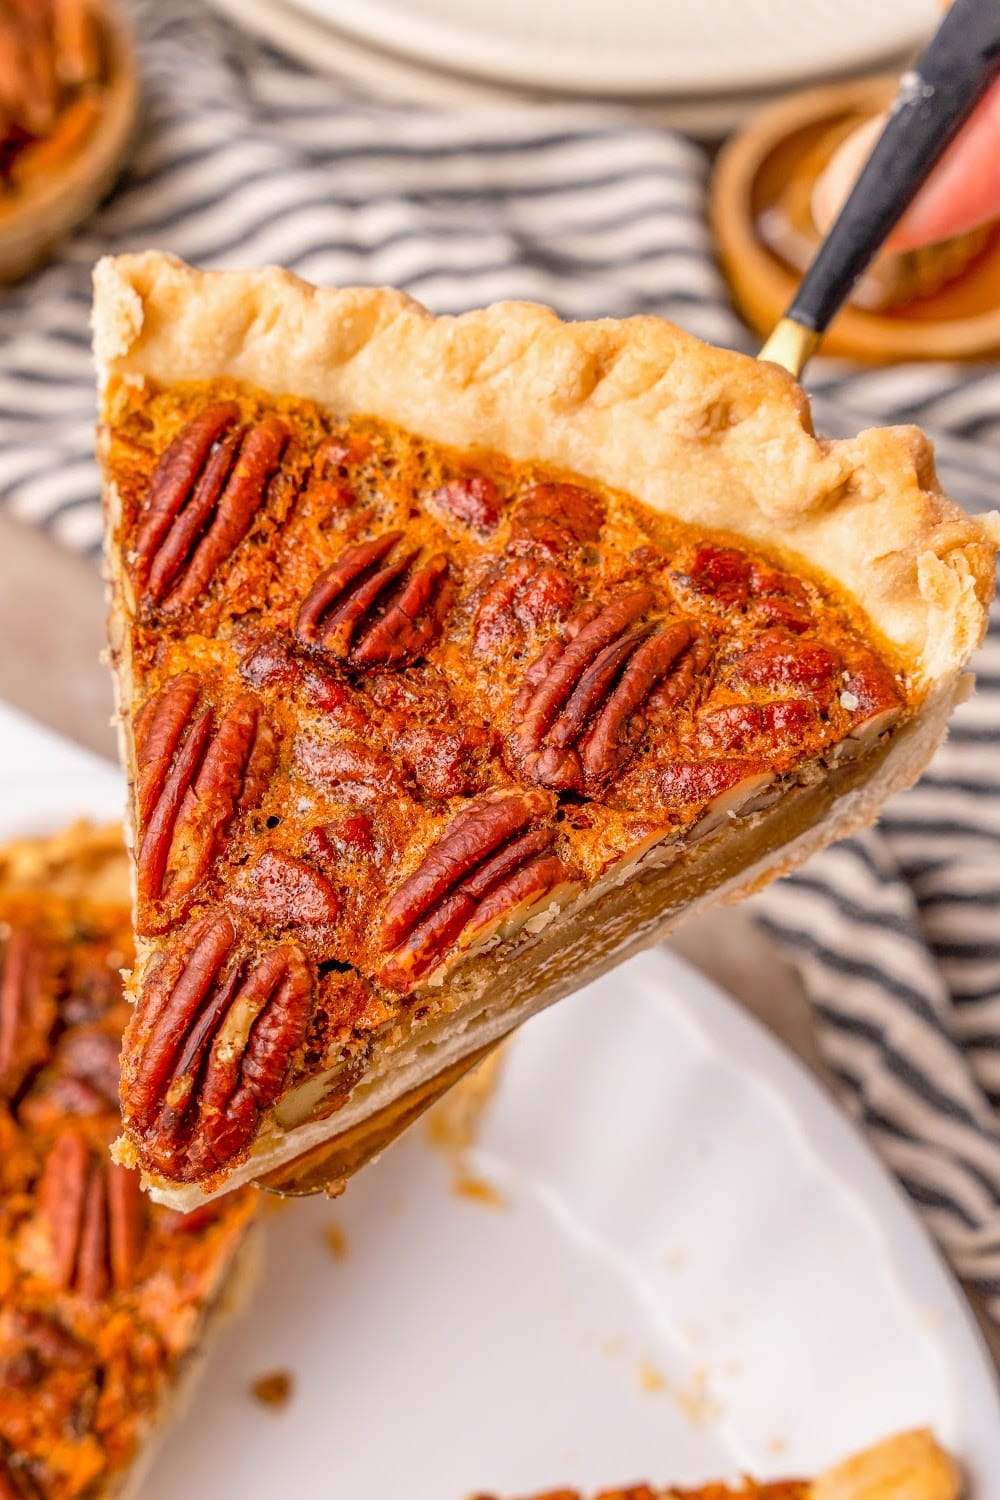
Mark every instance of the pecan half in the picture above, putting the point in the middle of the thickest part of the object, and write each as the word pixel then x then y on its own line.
pixel 357 771
pixel 95 1217
pixel 492 865
pixel 580 709
pixel 211 1047
pixel 473 498
pixel 370 612
pixel 91 1056
pixel 203 497
pixel 780 659
pixel 554 521
pixel 776 727
pixel 269 660
pixel 871 694
pixel 282 890
pixel 524 596
pixel 27 1009
pixel 692 787
pixel 194 774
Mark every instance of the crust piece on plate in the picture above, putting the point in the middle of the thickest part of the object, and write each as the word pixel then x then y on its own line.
pixel 457 659
pixel 909 1466
pixel 105 1299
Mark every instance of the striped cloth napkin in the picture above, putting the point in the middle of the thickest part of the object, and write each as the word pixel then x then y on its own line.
pixel 245 159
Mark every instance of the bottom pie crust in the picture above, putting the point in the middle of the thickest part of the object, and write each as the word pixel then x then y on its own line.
pixel 311 1143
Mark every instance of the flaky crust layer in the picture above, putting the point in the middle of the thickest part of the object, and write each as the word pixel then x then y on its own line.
pixel 704 434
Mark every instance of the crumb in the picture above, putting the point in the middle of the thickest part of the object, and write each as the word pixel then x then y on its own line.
pixel 453 1122
pixel 338 1187
pixel 650 1379
pixel 675 1260
pixel 477 1189
pixel 273 1390
pixel 777 1446
pixel 336 1241
pixel 695 1401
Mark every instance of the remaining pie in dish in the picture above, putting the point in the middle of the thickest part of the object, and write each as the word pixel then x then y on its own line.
pixel 910 1466
pixel 105 1299
pixel 457 659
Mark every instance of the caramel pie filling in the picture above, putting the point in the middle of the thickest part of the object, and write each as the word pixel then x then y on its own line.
pixel 397 704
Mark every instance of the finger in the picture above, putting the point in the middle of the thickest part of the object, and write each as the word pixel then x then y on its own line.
pixel 961 193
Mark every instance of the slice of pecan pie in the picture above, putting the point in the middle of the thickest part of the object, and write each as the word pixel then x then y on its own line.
pixel 105 1299
pixel 910 1466
pixel 457 659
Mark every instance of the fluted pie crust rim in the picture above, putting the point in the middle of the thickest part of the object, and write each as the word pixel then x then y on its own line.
pixel 710 437
pixel 907 1466
pixel 636 404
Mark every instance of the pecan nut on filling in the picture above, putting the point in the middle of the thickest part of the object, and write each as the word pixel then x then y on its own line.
pixel 104 1295
pixel 395 704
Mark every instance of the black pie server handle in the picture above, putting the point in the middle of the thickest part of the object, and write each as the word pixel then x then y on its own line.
pixel 936 96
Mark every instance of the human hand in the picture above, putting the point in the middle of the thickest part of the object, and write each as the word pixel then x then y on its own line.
pixel 961 193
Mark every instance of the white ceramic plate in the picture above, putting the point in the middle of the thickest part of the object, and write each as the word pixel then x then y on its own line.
pixel 637 46
pixel 398 79
pixel 694 1266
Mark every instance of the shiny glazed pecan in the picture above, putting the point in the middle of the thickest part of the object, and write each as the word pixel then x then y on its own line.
pixel 203 497
pixel 492 865
pixel 285 891
pixel 27 1009
pixel 555 521
pixel 94 1213
pixel 473 499
pixel 370 612
pixel 195 771
pixel 580 708
pixel 525 596
pixel 211 1046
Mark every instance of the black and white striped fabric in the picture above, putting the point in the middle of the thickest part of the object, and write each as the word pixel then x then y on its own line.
pixel 246 159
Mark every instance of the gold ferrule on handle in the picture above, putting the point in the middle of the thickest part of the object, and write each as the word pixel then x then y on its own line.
pixel 791 345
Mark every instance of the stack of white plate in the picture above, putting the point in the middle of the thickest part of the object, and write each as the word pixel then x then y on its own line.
pixel 701 66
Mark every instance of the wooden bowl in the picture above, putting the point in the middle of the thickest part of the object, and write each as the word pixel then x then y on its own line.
pixel 36 215
pixel 958 320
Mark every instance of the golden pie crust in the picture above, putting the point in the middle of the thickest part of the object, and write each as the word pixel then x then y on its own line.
pixel 909 1466
pixel 665 544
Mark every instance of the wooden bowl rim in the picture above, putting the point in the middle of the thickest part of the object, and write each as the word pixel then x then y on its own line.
pixel 59 200
pixel 763 285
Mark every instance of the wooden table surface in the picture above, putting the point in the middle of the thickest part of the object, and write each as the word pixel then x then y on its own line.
pixel 52 629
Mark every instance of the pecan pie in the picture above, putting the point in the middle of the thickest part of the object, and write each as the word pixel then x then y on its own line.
pixel 457 659
pixel 910 1466
pixel 104 1298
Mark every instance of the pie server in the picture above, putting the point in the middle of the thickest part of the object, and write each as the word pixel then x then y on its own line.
pixel 935 99
pixel 936 96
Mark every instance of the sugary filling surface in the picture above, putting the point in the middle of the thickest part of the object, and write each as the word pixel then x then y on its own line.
pixel 394 703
